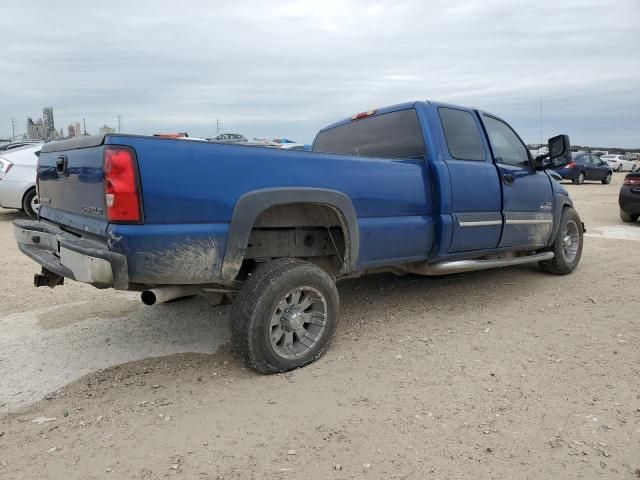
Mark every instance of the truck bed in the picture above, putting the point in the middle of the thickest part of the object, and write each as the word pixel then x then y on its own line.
pixel 190 189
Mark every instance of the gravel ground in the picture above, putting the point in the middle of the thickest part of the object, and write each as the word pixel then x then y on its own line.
pixel 508 373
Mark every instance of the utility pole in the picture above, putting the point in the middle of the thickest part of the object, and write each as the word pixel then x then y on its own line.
pixel 218 125
pixel 84 126
pixel 541 123
pixel 119 123
pixel 13 128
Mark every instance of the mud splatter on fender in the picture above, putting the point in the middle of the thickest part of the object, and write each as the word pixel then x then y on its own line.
pixel 189 262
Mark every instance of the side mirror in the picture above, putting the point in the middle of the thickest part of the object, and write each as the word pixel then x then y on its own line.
pixel 558 156
pixel 560 150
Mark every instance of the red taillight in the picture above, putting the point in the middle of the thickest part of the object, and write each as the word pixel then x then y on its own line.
pixel 121 194
pixel 361 115
pixel 632 180
pixel 570 165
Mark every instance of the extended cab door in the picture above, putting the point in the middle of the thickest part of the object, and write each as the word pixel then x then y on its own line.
pixel 527 197
pixel 476 197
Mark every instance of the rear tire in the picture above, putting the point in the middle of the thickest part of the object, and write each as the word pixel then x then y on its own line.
pixel 580 179
pixel 629 217
pixel 567 245
pixel 607 179
pixel 28 203
pixel 285 316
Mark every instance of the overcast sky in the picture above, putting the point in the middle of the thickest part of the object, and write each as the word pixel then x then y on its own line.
pixel 289 68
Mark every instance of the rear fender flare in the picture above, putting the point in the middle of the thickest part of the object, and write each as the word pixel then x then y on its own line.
pixel 250 205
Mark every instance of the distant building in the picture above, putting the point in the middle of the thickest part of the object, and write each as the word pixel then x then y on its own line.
pixel 71 129
pixel 36 130
pixel 47 117
pixel 105 129
pixel 43 128
pixel 78 129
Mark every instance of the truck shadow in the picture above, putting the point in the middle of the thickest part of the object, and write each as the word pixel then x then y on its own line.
pixel 7 215
pixel 197 334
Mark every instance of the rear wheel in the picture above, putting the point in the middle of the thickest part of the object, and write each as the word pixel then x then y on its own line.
pixel 284 316
pixel 580 179
pixel 607 179
pixel 30 203
pixel 567 245
pixel 629 217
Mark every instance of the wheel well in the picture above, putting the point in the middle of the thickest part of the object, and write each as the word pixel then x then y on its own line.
pixel 314 232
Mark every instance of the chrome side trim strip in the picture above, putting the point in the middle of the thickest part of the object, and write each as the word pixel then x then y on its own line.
pixel 480 223
pixel 529 222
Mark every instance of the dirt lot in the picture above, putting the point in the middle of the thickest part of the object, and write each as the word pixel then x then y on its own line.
pixel 510 373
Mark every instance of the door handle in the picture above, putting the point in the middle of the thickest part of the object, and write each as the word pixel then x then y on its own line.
pixel 61 164
pixel 507 178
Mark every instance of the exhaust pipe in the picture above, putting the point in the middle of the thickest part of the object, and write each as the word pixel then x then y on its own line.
pixel 165 294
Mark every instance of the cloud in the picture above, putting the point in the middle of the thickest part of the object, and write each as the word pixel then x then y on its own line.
pixel 288 68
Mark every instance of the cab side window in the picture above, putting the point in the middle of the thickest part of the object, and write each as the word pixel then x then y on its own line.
pixel 462 134
pixel 507 147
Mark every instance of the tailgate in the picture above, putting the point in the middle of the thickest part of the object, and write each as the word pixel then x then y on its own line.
pixel 71 189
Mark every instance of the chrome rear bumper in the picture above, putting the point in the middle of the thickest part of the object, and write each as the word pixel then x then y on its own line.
pixel 69 256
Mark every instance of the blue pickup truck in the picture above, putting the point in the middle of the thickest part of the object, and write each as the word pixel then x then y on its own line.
pixel 423 188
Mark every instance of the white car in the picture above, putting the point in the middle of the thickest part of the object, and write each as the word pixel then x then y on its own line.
pixel 619 163
pixel 18 179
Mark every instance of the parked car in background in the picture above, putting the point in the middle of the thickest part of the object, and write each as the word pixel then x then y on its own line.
pixel 282 143
pixel 22 143
pixel 229 138
pixel 620 163
pixel 18 178
pixel 585 166
pixel 287 144
pixel 629 199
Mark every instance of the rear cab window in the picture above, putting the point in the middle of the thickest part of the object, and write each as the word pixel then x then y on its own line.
pixel 461 133
pixel 388 135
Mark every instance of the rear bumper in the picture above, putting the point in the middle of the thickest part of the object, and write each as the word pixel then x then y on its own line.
pixel 69 256
pixel 567 174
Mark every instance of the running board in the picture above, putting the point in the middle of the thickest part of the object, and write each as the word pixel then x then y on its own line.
pixel 445 268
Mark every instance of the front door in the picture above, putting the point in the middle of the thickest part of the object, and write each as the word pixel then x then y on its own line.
pixel 527 197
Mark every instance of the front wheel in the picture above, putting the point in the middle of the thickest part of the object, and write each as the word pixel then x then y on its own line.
pixel 567 245
pixel 285 316
pixel 607 179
